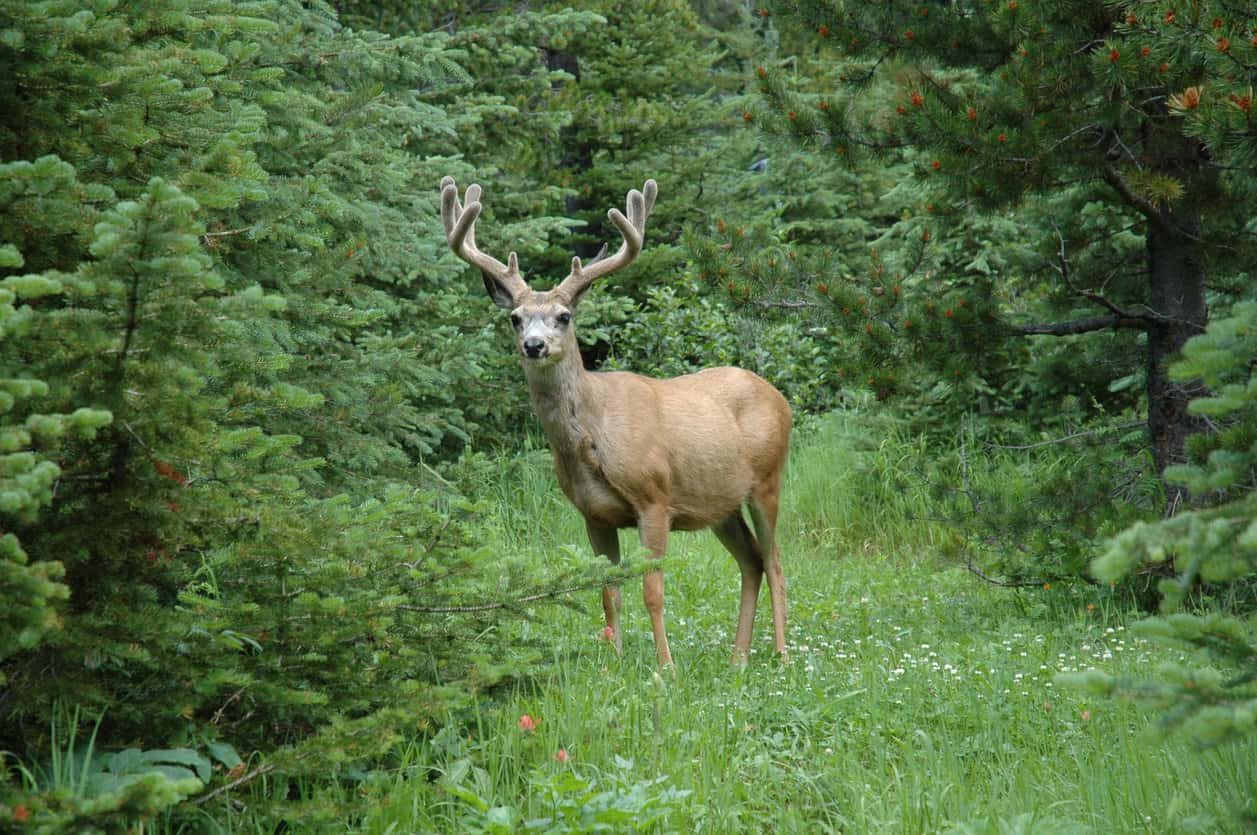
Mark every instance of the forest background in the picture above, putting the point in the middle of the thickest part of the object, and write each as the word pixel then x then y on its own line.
pixel 252 405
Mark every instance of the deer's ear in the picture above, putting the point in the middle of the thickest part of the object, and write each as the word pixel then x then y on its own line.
pixel 498 291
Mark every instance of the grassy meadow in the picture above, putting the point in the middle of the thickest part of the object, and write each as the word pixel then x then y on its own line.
pixel 919 699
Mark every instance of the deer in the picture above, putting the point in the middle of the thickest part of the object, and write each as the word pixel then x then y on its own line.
pixel 661 455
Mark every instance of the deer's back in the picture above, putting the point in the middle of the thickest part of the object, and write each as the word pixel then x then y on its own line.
pixel 704 439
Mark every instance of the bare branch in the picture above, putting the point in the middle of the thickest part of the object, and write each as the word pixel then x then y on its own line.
pixel 1120 427
pixel 1091 295
pixel 239 781
pixel 1085 325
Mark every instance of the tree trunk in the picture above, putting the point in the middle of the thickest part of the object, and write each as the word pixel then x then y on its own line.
pixel 1176 296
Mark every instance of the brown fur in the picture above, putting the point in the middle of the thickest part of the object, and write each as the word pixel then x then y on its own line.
pixel 683 453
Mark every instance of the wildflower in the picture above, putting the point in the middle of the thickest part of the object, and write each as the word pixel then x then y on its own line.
pixel 21 813
pixel 1114 54
pixel 746 117
pixel 1086 716
pixel 1224 44
pixel 909 35
pixel 608 633
pixel 527 724
pixel 822 30
pixel 917 98
pixel 1003 137
pixel 972 113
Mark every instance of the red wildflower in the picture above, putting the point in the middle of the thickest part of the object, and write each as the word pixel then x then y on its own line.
pixel 527 723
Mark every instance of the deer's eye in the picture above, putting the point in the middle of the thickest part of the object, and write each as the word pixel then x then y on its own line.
pixel 564 318
pixel 516 319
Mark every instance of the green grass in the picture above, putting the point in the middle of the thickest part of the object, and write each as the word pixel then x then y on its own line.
pixel 917 700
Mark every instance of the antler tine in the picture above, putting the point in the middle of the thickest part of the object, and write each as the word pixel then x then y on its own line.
pixel 632 228
pixel 459 220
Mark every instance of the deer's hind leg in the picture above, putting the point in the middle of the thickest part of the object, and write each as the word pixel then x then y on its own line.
pixel 606 541
pixel 734 535
pixel 763 508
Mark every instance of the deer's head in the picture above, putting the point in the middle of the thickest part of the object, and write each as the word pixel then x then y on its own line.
pixel 542 320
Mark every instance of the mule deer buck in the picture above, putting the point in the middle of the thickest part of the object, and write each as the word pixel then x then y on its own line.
pixel 631 451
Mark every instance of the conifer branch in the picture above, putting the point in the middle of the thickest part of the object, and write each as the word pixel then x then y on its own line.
pixel 489 607
pixel 1144 206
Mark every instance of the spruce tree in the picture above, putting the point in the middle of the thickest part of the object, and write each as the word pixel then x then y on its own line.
pixel 252 351
pixel 1210 696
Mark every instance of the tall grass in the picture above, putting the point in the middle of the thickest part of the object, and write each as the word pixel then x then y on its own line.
pixel 918 700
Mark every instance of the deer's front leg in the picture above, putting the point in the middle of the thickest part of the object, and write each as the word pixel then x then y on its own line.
pixel 652 528
pixel 606 541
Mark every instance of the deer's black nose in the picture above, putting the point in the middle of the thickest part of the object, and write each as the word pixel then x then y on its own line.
pixel 534 347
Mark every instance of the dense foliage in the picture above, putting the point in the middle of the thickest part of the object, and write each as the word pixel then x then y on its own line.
pixel 252 410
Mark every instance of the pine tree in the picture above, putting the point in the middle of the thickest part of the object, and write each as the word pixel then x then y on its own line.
pixel 1083 121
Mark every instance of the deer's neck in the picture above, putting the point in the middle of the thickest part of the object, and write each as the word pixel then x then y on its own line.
pixel 559 394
